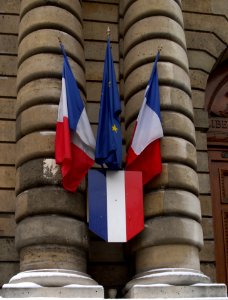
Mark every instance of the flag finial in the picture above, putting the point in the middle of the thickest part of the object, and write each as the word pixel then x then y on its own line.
pixel 60 42
pixel 108 32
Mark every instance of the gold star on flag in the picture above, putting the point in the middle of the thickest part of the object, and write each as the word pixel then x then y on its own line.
pixel 114 128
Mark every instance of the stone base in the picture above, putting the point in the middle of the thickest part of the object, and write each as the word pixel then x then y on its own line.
pixel 164 291
pixel 49 292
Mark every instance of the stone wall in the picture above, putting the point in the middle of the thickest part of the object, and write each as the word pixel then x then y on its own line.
pixel 9 19
pixel 206 36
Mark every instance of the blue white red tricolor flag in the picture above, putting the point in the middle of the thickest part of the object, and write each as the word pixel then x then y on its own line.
pixel 144 153
pixel 75 142
pixel 115 204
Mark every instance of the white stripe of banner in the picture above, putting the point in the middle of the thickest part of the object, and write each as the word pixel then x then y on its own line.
pixel 116 209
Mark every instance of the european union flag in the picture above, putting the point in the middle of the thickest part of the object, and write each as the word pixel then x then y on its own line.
pixel 109 138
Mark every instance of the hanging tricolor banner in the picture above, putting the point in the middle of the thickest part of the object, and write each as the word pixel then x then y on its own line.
pixel 115 201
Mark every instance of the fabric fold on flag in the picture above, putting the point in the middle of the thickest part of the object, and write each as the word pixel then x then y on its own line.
pixel 109 137
pixel 144 153
pixel 75 142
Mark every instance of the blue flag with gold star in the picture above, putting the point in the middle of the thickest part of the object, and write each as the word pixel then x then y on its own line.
pixel 109 138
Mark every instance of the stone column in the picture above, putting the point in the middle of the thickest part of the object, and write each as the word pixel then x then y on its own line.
pixel 51 233
pixel 167 251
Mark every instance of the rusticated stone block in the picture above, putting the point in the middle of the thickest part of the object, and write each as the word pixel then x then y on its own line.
pixel 209 269
pixel 208 231
pixel 142 9
pixel 178 150
pixel 98 31
pixel 52 257
pixel 100 12
pixel 206 205
pixel 7 177
pixel 71 5
pixel 7 200
pixel 94 70
pixel 51 229
pixel 201 119
pixel 175 176
pixel 7 250
pixel 34 202
pixel 50 17
pixel 207 254
pixel 8 65
pixel 169 230
pixel 47 40
pixel 96 51
pixel 35 118
pixel 35 145
pixel 198 79
pixel 198 99
pixel 9 24
pixel 156 257
pixel 47 65
pixel 172 202
pixel 7 225
pixel 145 52
pixel 202 162
pixel 7 154
pixel 40 91
pixel 8 269
pixel 201 140
pixel 204 183
pixel 200 60
pixel 93 91
pixel 7 108
pixel 38 172
pixel 169 74
pixel 162 26
pixel 8 44
pixel 7 131
pixel 7 86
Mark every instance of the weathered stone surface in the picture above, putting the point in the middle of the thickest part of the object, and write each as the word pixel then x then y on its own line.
pixel 175 176
pixel 172 202
pixel 9 23
pixel 7 154
pixel 156 257
pixel 198 98
pixel 7 131
pixel 162 27
pixel 8 65
pixel 37 172
pixel 206 6
pixel 178 150
pixel 100 12
pixel 7 225
pixel 7 86
pixel 8 44
pixel 7 177
pixel 201 119
pixel 202 162
pixel 51 229
pixel 200 60
pixel 204 183
pixel 141 54
pixel 169 230
pixel 47 65
pixel 7 108
pixel 198 79
pixel 37 118
pixel 208 231
pixel 52 256
pixel 47 40
pixel 50 17
pixel 7 200
pixel 201 140
pixel 7 250
pixel 209 270
pixel 204 41
pixel 73 6
pixel 207 253
pixel 40 91
pixel 206 205
pixel 12 6
pixel 169 74
pixel 93 91
pixel 143 9
pixel 50 200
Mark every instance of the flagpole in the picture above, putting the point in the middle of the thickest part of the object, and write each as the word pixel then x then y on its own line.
pixel 108 32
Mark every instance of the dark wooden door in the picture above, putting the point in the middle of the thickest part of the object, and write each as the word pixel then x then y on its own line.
pixel 219 192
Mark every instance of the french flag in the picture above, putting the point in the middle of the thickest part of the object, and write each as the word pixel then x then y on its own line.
pixel 115 204
pixel 144 153
pixel 75 142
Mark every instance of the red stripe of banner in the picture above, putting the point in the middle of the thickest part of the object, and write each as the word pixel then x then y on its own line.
pixel 134 203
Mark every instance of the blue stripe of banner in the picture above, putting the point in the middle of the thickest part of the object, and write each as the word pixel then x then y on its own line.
pixel 97 196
